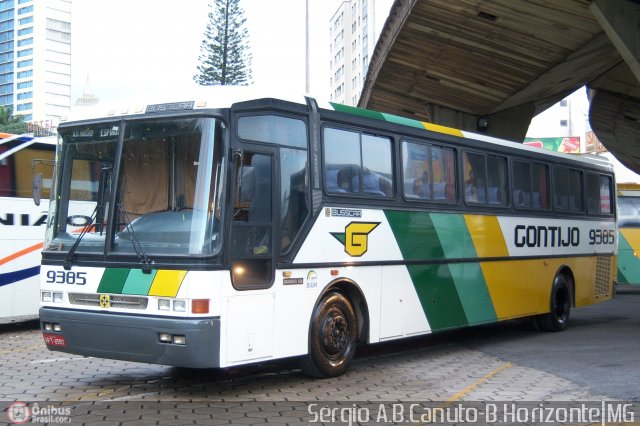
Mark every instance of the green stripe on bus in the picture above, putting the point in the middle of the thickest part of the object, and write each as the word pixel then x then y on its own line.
pixel 138 282
pixel 417 239
pixel 628 264
pixel 113 280
pixel 438 296
pixel 402 120
pixel 415 234
pixel 468 278
pixel 358 111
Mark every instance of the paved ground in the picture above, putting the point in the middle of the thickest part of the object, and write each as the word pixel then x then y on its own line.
pixel 596 359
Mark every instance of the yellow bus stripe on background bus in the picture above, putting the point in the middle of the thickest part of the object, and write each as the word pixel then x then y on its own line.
pixel 167 283
pixel 632 235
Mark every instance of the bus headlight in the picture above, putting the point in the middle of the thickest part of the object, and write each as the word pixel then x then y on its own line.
pixel 164 304
pixel 46 296
pixel 179 305
pixel 57 297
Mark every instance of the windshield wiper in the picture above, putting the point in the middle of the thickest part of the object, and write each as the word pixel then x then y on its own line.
pixel 142 256
pixel 68 260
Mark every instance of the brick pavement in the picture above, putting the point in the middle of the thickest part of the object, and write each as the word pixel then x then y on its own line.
pixel 106 392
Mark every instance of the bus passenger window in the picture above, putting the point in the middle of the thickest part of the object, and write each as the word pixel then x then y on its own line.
pixel 598 194
pixel 521 184
pixel 567 186
pixel 428 172
pixel 485 179
pixel 356 163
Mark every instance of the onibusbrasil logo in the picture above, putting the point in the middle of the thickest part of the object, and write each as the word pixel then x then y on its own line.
pixel 355 237
pixel 19 413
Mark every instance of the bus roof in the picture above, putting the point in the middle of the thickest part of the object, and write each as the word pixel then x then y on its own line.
pixel 209 97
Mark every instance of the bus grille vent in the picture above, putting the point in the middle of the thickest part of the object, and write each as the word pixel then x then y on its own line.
pixel 117 300
pixel 603 275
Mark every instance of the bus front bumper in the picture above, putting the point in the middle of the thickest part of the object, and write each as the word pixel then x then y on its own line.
pixel 133 337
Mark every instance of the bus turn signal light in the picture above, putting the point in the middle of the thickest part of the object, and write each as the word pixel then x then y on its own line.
pixel 200 306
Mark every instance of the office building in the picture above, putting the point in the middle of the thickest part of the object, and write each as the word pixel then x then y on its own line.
pixel 35 59
pixel 352 35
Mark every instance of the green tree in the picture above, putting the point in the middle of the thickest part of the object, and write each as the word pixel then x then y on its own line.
pixel 225 57
pixel 10 123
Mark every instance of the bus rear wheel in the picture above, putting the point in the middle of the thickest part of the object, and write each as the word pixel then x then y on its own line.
pixel 560 306
pixel 332 337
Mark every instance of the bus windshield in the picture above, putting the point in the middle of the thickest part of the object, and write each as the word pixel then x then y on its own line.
pixel 145 188
pixel 629 212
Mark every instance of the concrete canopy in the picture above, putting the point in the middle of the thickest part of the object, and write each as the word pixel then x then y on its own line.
pixel 453 62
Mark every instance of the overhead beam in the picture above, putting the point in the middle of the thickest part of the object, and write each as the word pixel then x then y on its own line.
pixel 620 20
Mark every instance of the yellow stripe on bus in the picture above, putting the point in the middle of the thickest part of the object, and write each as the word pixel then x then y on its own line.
pixel 632 235
pixel 487 236
pixel 167 283
pixel 442 129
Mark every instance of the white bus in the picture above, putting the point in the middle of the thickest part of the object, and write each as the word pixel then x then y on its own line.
pixel 22 223
pixel 226 234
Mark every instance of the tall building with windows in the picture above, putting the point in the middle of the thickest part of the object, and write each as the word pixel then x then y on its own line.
pixel 35 59
pixel 352 35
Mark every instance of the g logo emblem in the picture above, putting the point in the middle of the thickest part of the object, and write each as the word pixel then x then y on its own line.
pixel 356 237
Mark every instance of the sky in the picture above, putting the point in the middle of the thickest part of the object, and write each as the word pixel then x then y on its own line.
pixel 131 48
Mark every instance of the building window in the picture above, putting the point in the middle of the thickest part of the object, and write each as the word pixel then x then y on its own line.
pixel 24 85
pixel 563 123
pixel 26 52
pixel 25 31
pixel 4 5
pixel 25 21
pixel 27 63
pixel 563 103
pixel 24 74
pixel 24 1
pixel 6 25
pixel 25 42
pixel 24 10
pixel 25 95
pixel 55 35
pixel 24 107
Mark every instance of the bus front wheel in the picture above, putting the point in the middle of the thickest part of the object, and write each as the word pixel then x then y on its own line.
pixel 560 306
pixel 332 337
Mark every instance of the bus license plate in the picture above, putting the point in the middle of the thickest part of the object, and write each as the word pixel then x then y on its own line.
pixel 54 339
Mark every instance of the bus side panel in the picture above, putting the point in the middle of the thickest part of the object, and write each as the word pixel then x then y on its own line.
pixel 629 256
pixel 21 235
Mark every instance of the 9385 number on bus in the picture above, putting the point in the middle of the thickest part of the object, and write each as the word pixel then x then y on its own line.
pixel 601 236
pixel 66 277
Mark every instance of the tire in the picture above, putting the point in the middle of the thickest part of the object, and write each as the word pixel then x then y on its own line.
pixel 560 306
pixel 332 337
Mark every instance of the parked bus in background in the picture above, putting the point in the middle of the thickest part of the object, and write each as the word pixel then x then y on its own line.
pixel 629 233
pixel 226 233
pixel 22 223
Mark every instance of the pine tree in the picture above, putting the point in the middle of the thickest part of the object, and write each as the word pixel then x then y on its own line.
pixel 224 58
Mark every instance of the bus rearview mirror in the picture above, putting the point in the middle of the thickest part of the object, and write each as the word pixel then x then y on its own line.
pixel 37 188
